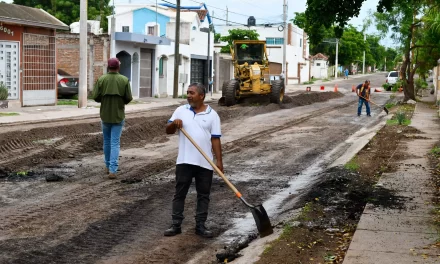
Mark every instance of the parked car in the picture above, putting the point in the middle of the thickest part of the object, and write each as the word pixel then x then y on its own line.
pixel 67 84
pixel 392 78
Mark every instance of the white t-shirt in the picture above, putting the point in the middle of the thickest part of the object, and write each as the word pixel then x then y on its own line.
pixel 201 127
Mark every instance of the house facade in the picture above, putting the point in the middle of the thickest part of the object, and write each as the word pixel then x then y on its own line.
pixel 297 49
pixel 144 43
pixel 319 66
pixel 28 54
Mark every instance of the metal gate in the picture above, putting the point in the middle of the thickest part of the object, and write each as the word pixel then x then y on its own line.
pixel 197 71
pixel 9 68
pixel 146 80
pixel 39 70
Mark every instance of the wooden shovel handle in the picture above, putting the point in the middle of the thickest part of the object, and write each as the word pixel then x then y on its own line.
pixel 367 100
pixel 219 172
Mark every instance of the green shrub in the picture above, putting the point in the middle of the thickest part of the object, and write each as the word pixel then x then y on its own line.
pixel 435 151
pixel 397 85
pixel 420 84
pixel 3 92
pixel 401 117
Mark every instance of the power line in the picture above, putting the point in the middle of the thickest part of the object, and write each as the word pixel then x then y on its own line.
pixel 232 12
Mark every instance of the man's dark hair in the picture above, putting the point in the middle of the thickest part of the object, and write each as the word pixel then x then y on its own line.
pixel 200 88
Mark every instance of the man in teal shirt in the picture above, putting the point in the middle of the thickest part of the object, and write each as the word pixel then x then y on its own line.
pixel 113 91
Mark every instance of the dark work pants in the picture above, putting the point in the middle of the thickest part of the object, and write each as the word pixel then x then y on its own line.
pixel 203 179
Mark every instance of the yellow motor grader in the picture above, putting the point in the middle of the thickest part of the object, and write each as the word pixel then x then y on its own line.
pixel 251 74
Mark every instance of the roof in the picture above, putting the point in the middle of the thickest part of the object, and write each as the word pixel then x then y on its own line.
pixel 201 13
pixel 319 56
pixel 28 16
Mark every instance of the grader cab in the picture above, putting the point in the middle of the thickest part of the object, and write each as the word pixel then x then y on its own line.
pixel 251 74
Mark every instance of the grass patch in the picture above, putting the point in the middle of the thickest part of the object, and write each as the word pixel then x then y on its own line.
pixel 390 105
pixel 267 249
pixel 134 102
pixel 9 114
pixel 395 122
pixel 311 82
pixel 352 165
pixel 183 96
pixel 326 80
pixel 67 102
pixel 402 116
pixel 435 151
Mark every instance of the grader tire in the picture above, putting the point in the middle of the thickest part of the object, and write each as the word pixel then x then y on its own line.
pixel 277 93
pixel 224 88
pixel 231 88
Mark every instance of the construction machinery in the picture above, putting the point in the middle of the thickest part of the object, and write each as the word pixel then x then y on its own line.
pixel 251 74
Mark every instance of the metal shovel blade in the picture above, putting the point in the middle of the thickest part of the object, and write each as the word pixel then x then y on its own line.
pixel 262 220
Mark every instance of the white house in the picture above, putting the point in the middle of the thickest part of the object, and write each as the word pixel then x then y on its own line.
pixel 319 66
pixel 93 26
pixel 297 48
pixel 144 43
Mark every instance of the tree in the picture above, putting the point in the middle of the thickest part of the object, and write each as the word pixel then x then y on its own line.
pixel 375 53
pixel 419 43
pixel 391 55
pixel 350 48
pixel 68 11
pixel 336 14
pixel 300 20
pixel 238 34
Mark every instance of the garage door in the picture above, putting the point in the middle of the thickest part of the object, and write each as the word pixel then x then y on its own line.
pixel 197 71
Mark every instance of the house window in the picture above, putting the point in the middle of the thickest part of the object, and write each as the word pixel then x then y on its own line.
pixel 161 66
pixel 274 41
pixel 151 30
pixel 318 64
pixel 125 29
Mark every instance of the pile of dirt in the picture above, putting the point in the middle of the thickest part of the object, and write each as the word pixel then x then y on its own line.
pixel 309 98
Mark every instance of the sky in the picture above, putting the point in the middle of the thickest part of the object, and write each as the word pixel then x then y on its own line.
pixel 264 11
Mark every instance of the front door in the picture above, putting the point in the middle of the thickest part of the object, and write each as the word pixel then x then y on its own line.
pixel 9 67
pixel 146 80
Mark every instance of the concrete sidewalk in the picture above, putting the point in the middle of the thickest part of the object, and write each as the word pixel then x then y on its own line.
pixel 403 236
pixel 45 113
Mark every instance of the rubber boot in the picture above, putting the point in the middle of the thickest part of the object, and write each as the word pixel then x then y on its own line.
pixel 201 230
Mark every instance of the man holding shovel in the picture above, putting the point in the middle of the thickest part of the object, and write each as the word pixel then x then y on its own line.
pixel 202 123
pixel 363 91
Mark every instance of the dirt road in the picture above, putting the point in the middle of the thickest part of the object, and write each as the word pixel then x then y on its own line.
pixel 269 153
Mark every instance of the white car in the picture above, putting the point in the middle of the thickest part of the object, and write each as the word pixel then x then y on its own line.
pixel 392 78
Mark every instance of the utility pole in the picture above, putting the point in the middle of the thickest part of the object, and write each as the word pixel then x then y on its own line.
pixel 156 33
pixel 112 33
pixel 337 55
pixel 208 75
pixel 176 51
pixel 82 92
pixel 227 13
pixel 385 63
pixel 285 41
pixel 363 62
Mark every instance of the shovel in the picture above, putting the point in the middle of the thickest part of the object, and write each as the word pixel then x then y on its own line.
pixel 260 215
pixel 384 108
